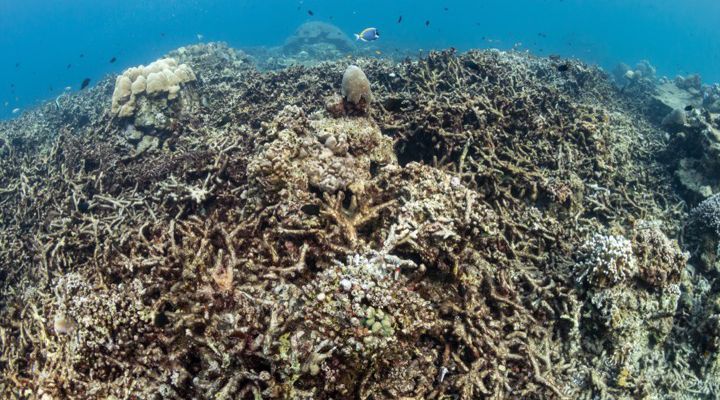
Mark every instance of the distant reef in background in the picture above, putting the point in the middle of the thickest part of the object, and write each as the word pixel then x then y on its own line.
pixel 218 224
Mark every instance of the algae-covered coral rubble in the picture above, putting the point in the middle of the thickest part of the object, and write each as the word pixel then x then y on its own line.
pixel 487 225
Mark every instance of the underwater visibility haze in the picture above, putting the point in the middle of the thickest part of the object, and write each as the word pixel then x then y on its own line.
pixel 50 46
pixel 343 200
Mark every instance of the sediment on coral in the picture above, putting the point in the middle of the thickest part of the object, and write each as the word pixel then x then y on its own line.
pixel 265 242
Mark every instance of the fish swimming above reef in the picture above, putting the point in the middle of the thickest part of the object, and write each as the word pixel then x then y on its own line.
pixel 85 83
pixel 368 35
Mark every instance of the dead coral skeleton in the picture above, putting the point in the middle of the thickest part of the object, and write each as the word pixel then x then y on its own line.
pixel 264 248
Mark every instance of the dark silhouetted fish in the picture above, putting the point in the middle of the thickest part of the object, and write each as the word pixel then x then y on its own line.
pixel 17 64
pixel 399 19
pixel 85 83
pixel 563 67
pixel 446 9
pixel 310 13
pixel 112 60
pixel 427 23
pixel 82 55
pixel 69 66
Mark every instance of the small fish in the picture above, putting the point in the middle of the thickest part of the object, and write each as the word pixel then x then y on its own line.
pixel 68 66
pixel 82 55
pixel 542 34
pixel 368 35
pixel 427 23
pixel 68 88
pixel 85 83
pixel 378 52
pixel 445 9
pixel 563 67
pixel 399 19
pixel 112 60
pixel 5 104
pixel 311 13
pixel 15 110
pixel 17 64
pixel 200 36
pixel 162 34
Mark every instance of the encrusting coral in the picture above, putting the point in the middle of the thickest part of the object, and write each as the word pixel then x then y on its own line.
pixel 268 241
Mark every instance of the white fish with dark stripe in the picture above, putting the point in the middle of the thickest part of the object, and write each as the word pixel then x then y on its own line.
pixel 368 35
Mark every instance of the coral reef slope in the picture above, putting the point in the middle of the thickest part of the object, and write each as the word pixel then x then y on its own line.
pixel 486 225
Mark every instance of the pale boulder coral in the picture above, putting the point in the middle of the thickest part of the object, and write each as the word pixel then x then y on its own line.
pixel 162 78
pixel 356 88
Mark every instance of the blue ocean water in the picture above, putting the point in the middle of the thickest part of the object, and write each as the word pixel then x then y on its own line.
pixel 48 45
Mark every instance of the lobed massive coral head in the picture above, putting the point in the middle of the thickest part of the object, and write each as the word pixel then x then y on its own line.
pixel 162 78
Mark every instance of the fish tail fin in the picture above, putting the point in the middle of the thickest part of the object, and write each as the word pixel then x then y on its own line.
pixel 357 36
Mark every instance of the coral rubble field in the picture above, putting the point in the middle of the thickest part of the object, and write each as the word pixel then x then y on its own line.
pixel 485 225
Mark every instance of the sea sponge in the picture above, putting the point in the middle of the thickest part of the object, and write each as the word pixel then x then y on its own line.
pixel 356 88
pixel 162 78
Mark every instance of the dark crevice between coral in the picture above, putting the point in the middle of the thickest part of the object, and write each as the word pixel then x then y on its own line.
pixel 420 146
